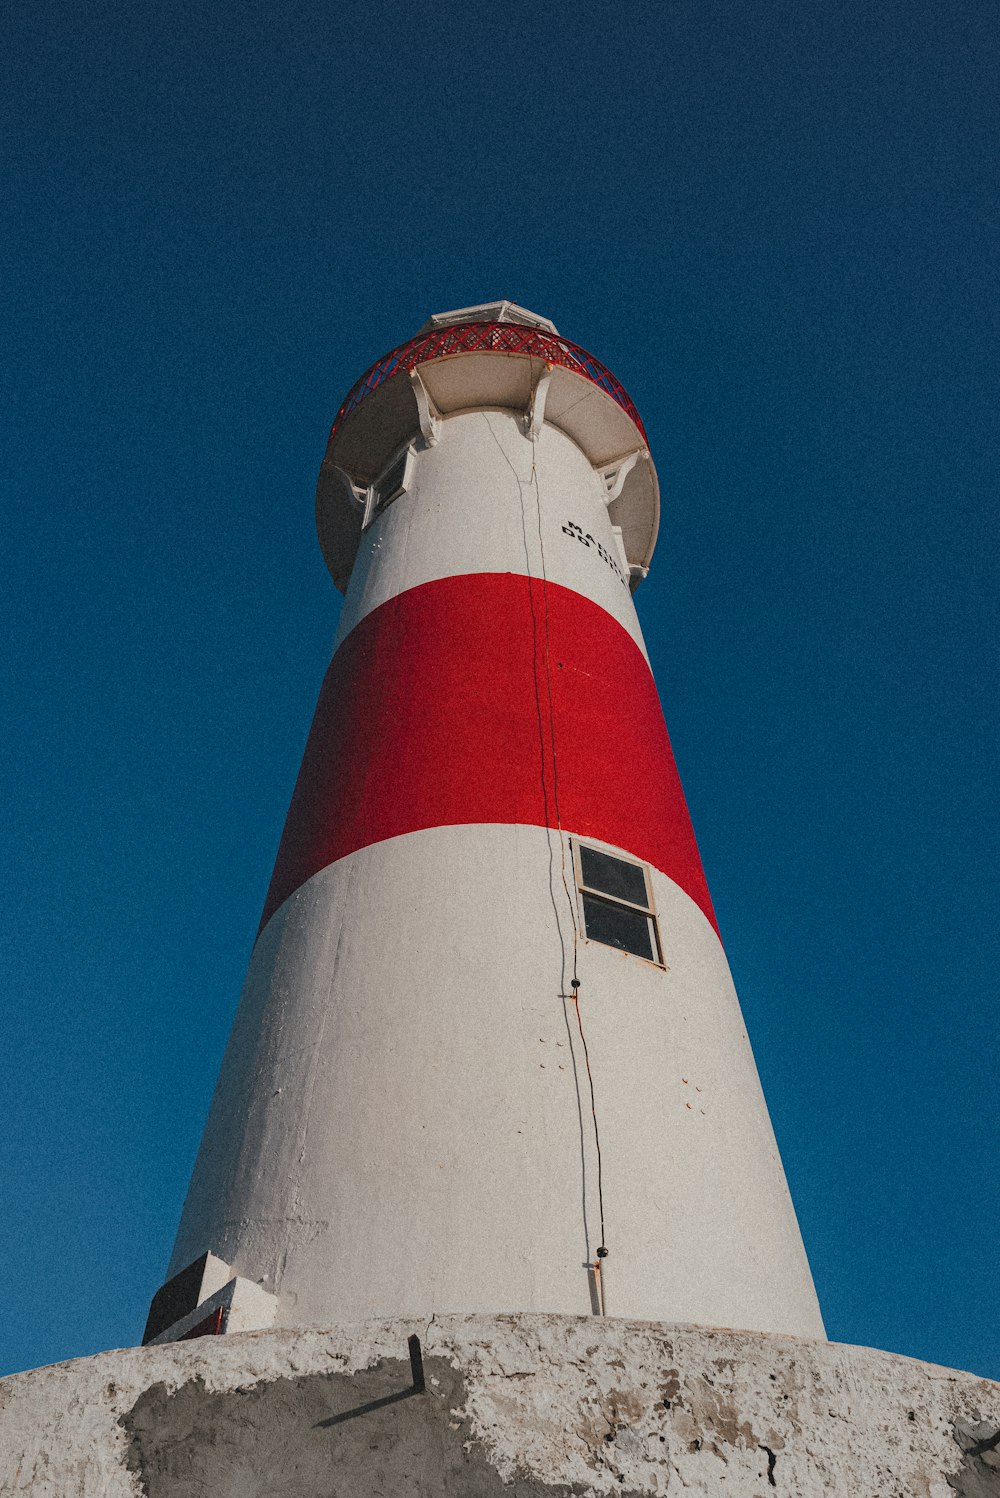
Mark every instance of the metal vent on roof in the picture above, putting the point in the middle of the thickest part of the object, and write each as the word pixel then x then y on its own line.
pixel 490 312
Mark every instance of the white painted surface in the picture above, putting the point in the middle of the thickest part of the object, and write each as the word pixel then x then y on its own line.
pixel 214 1276
pixel 546 1403
pixel 248 1309
pixel 484 499
pixel 403 1122
pixel 397 1128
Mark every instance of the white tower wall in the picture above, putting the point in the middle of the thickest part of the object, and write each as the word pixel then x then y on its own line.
pixel 404 1121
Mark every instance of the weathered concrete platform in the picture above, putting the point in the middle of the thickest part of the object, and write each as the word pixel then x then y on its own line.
pixel 519 1405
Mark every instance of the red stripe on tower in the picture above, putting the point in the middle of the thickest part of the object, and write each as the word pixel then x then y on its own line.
pixel 488 698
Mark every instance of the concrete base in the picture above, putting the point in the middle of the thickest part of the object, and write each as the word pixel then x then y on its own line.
pixel 526 1405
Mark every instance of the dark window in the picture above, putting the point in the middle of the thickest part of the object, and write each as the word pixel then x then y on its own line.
pixel 390 485
pixel 619 926
pixel 613 876
pixel 617 906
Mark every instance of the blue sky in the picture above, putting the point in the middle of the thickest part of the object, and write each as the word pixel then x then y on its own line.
pixel 774 223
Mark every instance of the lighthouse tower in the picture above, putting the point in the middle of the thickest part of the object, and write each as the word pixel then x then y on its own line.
pixel 488 1057
pixel 488 1177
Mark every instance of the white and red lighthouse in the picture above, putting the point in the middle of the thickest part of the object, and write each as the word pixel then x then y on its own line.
pixel 488 1057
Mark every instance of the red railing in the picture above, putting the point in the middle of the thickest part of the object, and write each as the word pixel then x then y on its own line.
pixel 488 337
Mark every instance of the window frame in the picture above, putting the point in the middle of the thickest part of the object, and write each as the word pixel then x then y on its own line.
pixel 375 505
pixel 648 910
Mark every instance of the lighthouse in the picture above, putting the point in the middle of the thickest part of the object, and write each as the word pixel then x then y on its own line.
pixel 488 1183
pixel 488 1057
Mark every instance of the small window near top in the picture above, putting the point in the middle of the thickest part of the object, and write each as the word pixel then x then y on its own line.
pixel 392 483
pixel 617 903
